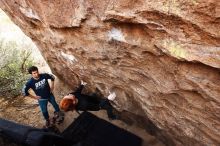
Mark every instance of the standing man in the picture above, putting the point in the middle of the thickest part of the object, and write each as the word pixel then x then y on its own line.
pixel 44 92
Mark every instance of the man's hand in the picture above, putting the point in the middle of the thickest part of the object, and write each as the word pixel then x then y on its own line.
pixel 51 89
pixel 37 97
pixel 52 86
pixel 83 83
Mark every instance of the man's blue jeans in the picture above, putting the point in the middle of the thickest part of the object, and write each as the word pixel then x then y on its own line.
pixel 43 106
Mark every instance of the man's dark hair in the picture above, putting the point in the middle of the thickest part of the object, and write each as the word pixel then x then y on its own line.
pixel 32 68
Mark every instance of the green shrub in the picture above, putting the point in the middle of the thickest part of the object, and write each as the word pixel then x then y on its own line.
pixel 13 68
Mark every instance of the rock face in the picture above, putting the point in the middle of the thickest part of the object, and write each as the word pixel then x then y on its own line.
pixel 160 57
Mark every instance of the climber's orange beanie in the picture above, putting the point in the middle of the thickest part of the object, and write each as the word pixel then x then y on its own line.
pixel 67 105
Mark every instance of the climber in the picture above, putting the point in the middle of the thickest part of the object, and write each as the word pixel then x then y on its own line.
pixel 44 93
pixel 81 102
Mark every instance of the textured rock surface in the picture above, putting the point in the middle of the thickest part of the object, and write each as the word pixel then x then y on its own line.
pixel 160 57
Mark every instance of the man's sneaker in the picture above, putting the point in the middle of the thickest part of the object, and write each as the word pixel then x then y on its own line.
pixel 48 124
pixel 58 117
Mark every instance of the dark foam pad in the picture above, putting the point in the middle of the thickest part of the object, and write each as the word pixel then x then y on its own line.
pixel 89 130
pixel 29 136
